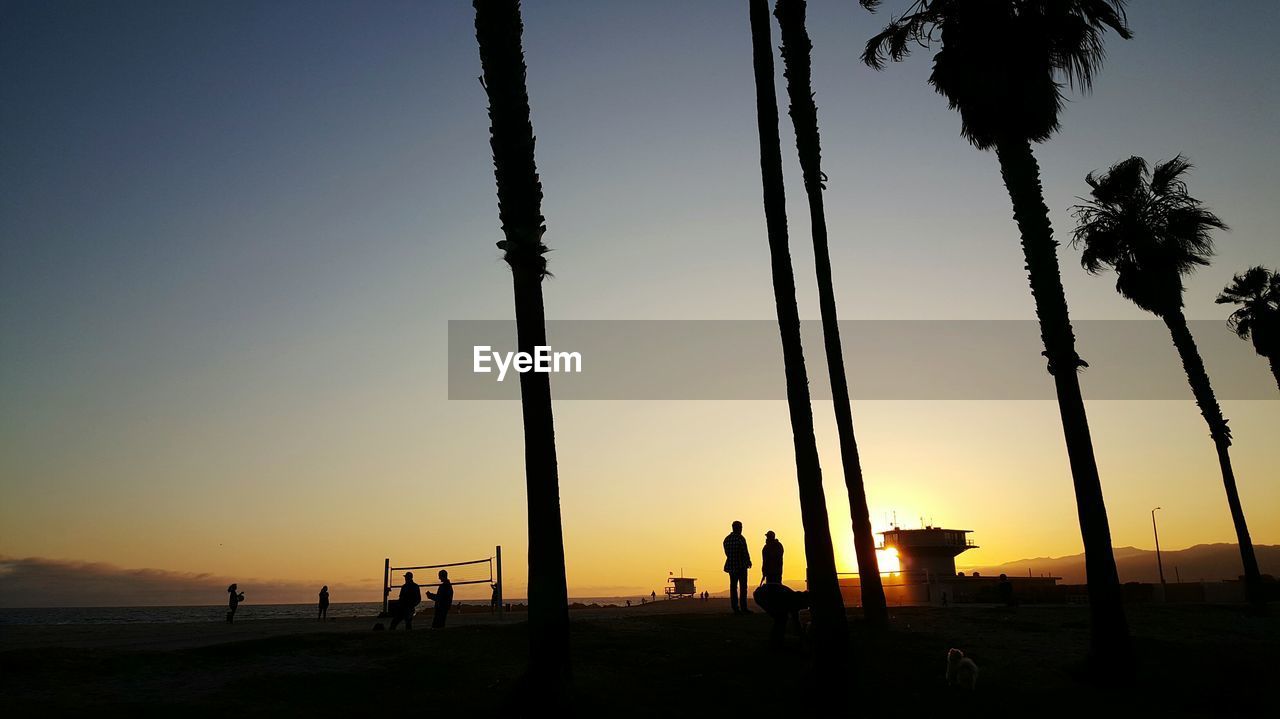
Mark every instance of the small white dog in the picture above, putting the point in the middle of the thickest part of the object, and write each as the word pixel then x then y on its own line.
pixel 961 671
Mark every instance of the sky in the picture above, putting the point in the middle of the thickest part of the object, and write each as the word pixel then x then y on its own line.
pixel 232 236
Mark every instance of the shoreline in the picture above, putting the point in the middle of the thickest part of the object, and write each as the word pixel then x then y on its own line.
pixel 197 633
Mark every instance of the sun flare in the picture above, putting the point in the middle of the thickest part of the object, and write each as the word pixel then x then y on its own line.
pixel 887 558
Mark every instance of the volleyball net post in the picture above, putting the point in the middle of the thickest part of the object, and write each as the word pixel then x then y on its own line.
pixel 493 577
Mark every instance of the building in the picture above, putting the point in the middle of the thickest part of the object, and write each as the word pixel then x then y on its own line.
pixel 680 586
pixel 927 573
pixel 931 551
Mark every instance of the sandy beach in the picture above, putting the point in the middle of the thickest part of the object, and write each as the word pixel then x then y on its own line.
pixel 629 661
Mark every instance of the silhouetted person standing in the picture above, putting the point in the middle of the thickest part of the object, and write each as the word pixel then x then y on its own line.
pixel 410 598
pixel 1005 589
pixel 233 601
pixel 737 560
pixel 771 559
pixel 495 600
pixel 324 602
pixel 443 597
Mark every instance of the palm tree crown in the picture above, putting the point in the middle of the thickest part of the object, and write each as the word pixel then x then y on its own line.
pixel 1002 62
pixel 1257 291
pixel 1146 227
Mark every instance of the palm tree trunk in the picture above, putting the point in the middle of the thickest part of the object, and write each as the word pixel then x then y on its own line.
pixel 829 622
pixel 1021 173
pixel 498 31
pixel 796 47
pixel 1221 434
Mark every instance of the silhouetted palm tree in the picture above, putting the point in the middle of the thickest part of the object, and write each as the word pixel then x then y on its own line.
pixel 1146 227
pixel 796 47
pixel 499 30
pixel 1257 291
pixel 829 622
pixel 1000 63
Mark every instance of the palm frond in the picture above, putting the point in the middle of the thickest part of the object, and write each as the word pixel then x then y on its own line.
pixel 1075 29
pixel 1166 178
pixel 1144 225
pixel 1122 180
pixel 914 27
pixel 1003 64
pixel 1257 291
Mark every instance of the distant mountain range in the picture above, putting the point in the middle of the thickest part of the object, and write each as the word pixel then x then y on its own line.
pixel 1208 562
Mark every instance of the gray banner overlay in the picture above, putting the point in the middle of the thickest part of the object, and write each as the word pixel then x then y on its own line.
pixel 884 359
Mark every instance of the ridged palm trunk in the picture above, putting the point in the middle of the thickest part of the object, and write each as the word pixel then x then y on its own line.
pixel 1021 173
pixel 830 628
pixel 796 48
pixel 498 30
pixel 1273 358
pixel 1218 430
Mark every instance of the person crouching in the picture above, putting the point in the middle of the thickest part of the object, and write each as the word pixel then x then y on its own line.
pixel 781 602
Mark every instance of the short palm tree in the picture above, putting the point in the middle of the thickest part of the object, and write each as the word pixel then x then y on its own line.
pixel 1001 64
pixel 1257 291
pixel 498 31
pixel 829 622
pixel 1152 232
pixel 796 48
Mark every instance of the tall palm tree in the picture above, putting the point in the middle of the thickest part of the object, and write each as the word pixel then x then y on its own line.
pixel 1151 231
pixel 498 31
pixel 829 622
pixel 1000 63
pixel 796 47
pixel 1257 291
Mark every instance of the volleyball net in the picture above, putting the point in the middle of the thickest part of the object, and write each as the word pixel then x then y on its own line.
pixel 473 571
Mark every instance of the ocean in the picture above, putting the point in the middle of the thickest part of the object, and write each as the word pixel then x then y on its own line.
pixel 218 612
pixel 177 615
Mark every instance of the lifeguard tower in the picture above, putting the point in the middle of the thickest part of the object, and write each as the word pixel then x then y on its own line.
pixel 680 586
pixel 927 573
pixel 930 551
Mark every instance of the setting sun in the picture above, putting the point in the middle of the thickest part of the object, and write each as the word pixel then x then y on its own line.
pixel 888 559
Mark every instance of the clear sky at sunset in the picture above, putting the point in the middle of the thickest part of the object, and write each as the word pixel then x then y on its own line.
pixel 232 235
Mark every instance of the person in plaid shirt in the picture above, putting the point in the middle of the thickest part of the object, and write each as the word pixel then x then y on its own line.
pixel 737 560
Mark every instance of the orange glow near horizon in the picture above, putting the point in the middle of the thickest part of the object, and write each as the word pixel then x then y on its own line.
pixel 887 558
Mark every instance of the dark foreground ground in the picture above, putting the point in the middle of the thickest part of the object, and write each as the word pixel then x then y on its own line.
pixel 1194 661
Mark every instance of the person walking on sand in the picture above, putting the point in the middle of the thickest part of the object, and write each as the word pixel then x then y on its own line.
pixel 771 559
pixel 653 596
pixel 737 560
pixel 443 597
pixel 324 602
pixel 410 598
pixel 233 601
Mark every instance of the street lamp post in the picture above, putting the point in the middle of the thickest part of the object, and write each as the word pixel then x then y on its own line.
pixel 1159 564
